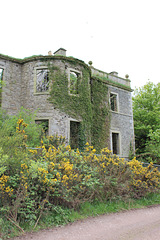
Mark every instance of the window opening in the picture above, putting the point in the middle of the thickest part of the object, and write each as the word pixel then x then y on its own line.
pixel 74 82
pixel 42 82
pixel 115 143
pixel 113 102
pixel 45 126
pixel 74 134
pixel 1 79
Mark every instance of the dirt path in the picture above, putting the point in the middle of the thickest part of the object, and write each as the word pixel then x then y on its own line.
pixel 141 224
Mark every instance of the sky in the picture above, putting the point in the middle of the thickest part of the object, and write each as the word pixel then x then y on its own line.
pixel 116 35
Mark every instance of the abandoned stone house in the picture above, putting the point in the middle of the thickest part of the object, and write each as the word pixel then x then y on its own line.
pixel 28 83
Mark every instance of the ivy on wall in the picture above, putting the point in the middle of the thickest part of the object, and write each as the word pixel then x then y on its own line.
pixel 100 114
pixel 89 106
pixel 1 83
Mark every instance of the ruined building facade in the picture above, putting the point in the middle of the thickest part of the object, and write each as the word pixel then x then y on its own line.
pixel 26 82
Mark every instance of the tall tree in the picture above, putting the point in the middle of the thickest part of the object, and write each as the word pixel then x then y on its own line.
pixel 146 112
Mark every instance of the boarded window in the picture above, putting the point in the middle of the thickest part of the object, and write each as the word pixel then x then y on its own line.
pixel 115 143
pixel 42 80
pixel 113 102
pixel 45 125
pixel 74 134
pixel 74 79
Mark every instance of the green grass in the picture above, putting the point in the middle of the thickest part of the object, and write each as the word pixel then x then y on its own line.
pixel 98 208
pixel 62 216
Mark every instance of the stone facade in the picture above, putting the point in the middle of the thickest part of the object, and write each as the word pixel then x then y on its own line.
pixel 19 89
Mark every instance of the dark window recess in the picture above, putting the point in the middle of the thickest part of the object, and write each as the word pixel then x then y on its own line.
pixel 44 124
pixel 42 83
pixel 74 134
pixel 113 102
pixel 74 82
pixel 115 143
pixel 1 79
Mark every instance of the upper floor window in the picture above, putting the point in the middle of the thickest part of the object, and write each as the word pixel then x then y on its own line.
pixel 42 80
pixel 114 102
pixel 74 81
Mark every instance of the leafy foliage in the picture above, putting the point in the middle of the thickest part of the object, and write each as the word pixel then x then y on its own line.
pixel 146 112
pixel 89 105
pixel 8 125
pixel 55 178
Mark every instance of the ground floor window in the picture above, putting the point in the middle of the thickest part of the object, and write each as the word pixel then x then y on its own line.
pixel 115 143
pixel 45 125
pixel 74 134
pixel 1 79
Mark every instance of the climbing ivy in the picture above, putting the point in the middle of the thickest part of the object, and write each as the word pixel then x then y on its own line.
pixel 89 106
pixel 76 106
pixel 100 114
pixel 1 83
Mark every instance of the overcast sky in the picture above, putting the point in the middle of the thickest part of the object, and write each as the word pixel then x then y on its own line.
pixel 116 35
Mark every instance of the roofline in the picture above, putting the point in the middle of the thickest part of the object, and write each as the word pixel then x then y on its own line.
pixel 112 83
pixel 43 58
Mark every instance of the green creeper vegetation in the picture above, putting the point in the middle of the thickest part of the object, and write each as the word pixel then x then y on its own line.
pixel 146 112
pixel 112 83
pixel 8 125
pixel 84 102
pixel 54 184
pixel 100 115
pixel 1 82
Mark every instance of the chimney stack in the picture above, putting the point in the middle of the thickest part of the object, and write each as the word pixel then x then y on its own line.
pixel 61 52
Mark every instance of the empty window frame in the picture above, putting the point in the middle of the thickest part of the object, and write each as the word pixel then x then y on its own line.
pixel 1 80
pixel 74 134
pixel 114 102
pixel 1 77
pixel 42 80
pixel 74 81
pixel 44 123
pixel 115 143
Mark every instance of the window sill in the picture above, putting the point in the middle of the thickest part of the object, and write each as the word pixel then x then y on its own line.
pixel 41 93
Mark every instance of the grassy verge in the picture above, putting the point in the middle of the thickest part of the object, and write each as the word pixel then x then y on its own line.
pixel 61 216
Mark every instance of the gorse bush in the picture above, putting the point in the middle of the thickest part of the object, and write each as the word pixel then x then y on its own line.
pixel 34 181
pixel 8 125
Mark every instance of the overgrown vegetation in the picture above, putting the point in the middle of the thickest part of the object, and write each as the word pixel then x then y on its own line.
pixel 146 112
pixel 53 181
pixel 89 106
pixel 1 82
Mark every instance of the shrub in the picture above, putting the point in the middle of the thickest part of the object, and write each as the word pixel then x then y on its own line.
pixel 33 181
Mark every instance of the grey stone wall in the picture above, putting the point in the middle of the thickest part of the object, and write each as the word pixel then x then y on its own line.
pixel 59 122
pixel 19 90
pixel 122 121
pixel 11 86
pixel 117 79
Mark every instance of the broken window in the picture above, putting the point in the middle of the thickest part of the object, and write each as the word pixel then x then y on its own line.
pixel 42 80
pixel 74 79
pixel 74 134
pixel 113 102
pixel 115 143
pixel 44 124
